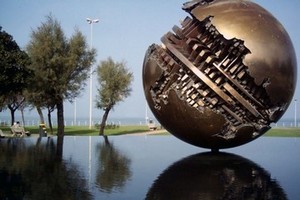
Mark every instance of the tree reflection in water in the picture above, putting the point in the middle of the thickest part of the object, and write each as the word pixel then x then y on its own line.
pixel 35 171
pixel 114 168
pixel 215 176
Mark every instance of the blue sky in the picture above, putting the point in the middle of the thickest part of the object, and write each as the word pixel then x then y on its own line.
pixel 125 31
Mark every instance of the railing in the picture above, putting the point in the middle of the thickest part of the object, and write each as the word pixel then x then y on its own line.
pixel 70 123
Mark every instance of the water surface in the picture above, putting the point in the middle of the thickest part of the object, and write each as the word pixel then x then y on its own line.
pixel 147 167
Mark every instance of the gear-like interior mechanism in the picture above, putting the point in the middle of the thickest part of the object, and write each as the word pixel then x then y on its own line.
pixel 207 70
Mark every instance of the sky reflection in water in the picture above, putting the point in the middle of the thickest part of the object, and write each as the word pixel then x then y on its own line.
pixel 147 167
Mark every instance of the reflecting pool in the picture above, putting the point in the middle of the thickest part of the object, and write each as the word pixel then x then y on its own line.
pixel 147 167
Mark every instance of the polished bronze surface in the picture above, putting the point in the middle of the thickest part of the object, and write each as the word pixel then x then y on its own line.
pixel 223 77
pixel 215 176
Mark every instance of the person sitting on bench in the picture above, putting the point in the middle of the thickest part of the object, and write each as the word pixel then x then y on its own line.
pixel 16 129
pixel 1 134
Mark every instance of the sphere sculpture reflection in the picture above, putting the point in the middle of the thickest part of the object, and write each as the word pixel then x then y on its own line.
pixel 223 77
pixel 215 176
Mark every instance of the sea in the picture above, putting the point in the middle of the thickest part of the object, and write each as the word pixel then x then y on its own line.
pixel 70 121
pixel 128 121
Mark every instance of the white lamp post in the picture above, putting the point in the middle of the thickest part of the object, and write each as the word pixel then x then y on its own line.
pixel 91 22
pixel 295 112
pixel 75 112
pixel 146 114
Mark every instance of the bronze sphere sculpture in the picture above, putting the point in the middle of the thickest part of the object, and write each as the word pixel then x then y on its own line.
pixel 223 77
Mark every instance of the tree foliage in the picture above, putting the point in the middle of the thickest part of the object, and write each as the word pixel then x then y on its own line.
pixel 61 66
pixel 115 85
pixel 13 62
pixel 14 73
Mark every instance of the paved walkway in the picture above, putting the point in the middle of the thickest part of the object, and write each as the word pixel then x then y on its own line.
pixel 150 132
pixel 160 131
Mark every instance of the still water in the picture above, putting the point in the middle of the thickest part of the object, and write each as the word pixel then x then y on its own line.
pixel 147 167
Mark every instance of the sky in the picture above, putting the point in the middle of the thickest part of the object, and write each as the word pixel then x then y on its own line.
pixel 124 32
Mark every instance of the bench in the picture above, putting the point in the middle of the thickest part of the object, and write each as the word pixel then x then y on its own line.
pixel 151 125
pixel 19 130
pixel 1 134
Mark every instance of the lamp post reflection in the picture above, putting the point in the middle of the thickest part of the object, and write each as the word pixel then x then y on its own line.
pixel 90 161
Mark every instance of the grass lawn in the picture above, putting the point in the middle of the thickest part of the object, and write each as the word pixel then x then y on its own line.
pixel 283 132
pixel 85 131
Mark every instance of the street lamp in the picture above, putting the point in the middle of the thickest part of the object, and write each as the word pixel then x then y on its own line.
pixel 91 22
